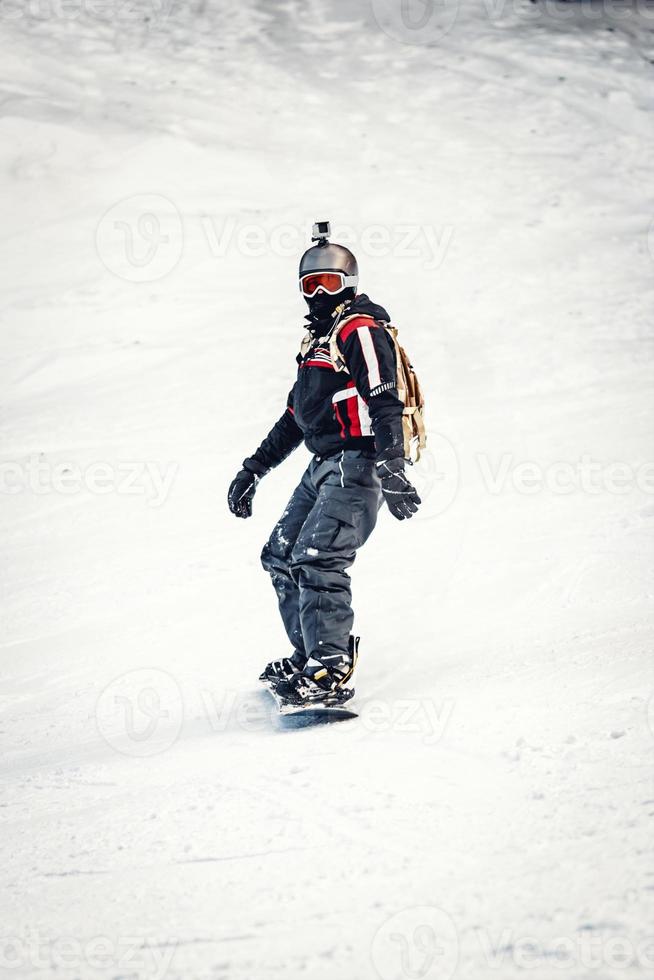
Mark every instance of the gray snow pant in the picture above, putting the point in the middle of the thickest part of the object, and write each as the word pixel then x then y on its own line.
pixel 331 513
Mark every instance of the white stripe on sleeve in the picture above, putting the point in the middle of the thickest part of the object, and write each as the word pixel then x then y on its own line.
pixel 370 356
pixel 364 417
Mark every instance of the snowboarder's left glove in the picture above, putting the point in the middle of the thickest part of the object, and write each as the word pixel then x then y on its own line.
pixel 242 488
pixel 400 495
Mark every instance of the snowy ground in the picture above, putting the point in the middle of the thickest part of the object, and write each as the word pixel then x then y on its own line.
pixel 487 814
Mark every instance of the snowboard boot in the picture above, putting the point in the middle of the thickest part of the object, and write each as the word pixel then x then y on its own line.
pixel 321 681
pixel 283 670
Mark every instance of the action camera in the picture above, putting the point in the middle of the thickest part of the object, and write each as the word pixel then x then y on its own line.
pixel 321 231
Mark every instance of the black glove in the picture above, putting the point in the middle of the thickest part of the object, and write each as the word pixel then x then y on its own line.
pixel 241 490
pixel 400 495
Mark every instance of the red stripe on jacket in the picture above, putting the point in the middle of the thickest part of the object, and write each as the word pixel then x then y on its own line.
pixel 321 364
pixel 351 325
pixel 340 420
pixel 353 415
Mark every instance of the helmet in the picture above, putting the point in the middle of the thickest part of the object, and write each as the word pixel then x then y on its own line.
pixel 329 257
pixel 327 269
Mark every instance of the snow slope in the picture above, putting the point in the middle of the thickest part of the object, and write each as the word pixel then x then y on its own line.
pixel 487 814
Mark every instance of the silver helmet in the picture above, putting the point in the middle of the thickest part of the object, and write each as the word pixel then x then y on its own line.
pixel 326 256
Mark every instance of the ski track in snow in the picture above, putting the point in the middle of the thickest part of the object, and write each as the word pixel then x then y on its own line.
pixel 500 768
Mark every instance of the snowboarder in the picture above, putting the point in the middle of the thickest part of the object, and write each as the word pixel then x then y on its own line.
pixel 351 421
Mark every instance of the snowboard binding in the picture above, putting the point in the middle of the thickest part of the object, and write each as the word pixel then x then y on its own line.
pixel 320 683
pixel 282 670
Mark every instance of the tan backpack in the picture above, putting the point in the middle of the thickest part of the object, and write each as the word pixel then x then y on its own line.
pixel 408 390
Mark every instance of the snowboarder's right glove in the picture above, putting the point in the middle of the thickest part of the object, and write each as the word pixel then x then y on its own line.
pixel 400 495
pixel 242 488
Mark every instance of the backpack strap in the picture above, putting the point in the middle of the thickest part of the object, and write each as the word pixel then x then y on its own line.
pixel 307 340
pixel 334 350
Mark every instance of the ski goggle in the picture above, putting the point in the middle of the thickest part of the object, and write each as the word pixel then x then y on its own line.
pixel 329 282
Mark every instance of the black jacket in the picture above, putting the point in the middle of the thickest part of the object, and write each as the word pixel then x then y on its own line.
pixel 334 410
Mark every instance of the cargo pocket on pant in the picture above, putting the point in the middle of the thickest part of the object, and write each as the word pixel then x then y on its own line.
pixel 342 521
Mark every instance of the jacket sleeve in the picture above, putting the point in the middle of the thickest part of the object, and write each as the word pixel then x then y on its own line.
pixel 369 356
pixel 283 438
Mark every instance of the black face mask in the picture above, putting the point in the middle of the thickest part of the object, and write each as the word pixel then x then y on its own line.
pixel 322 307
